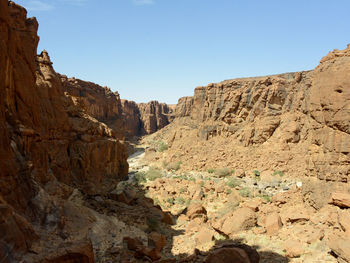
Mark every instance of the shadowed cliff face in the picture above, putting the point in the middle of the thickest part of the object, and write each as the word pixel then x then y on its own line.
pixel 46 138
pixel 146 118
pixel 296 122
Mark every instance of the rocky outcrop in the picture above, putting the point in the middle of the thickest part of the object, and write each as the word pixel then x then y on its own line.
pixel 99 102
pixel 131 114
pixel 155 115
pixel 49 145
pixel 146 118
pixel 294 122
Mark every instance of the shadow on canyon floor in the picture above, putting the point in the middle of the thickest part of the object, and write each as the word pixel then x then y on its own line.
pixel 142 212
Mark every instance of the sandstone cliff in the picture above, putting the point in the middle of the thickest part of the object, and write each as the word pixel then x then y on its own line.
pixel 293 122
pixel 146 118
pixel 126 118
pixel 48 147
pixel 99 102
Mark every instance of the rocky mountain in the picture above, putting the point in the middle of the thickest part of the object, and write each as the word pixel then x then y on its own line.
pixel 293 122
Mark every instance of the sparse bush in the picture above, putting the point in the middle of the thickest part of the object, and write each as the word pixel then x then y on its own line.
pixel 153 173
pixel 267 198
pixel 256 173
pixel 174 166
pixel 280 173
pixel 164 164
pixel 182 190
pixel 171 200
pixel 140 177
pixel 232 182
pixel 228 191
pixel 211 170
pixel 223 172
pixel 245 192
pixel 180 200
pixel 162 146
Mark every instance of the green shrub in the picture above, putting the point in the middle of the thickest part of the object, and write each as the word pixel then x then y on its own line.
pixel 174 166
pixel 162 146
pixel 232 182
pixel 140 177
pixel 280 173
pixel 171 200
pixel 223 172
pixel 180 200
pixel 182 190
pixel 228 191
pixel 153 173
pixel 245 192
pixel 256 173
pixel 267 198
pixel 211 170
pixel 164 164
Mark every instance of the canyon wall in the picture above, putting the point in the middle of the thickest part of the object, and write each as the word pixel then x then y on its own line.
pixel 294 122
pixel 146 118
pixel 99 102
pixel 49 146
pixel 126 118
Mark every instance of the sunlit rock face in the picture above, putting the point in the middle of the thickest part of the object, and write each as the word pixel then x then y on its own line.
pixel 297 122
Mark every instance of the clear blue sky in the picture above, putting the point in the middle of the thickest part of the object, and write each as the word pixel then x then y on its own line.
pixel 163 49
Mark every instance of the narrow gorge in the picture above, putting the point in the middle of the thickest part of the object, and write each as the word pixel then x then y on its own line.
pixel 246 170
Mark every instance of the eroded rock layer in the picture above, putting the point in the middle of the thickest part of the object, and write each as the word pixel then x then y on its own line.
pixel 48 146
pixel 146 118
pixel 294 122
pixel 99 102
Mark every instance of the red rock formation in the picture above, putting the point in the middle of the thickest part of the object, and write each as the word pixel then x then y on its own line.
pixel 99 102
pixel 133 124
pixel 154 115
pixel 46 139
pixel 296 122
pixel 146 118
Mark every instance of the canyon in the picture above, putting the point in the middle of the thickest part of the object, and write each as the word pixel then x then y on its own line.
pixel 246 170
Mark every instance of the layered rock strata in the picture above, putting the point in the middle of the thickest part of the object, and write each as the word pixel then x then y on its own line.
pixel 294 122
pixel 146 118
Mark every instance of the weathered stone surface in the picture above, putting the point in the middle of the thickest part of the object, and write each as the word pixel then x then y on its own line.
pixel 48 144
pixel 146 118
pixel 341 199
pixel 273 223
pixel 341 247
pixel 99 102
pixel 240 219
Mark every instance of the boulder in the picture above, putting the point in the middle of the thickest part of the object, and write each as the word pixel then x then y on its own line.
pixel 341 199
pixel 273 223
pixel 240 219
pixel 340 246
